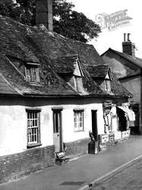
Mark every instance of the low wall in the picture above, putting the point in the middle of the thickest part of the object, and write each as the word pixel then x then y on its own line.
pixel 17 165
pixel 77 147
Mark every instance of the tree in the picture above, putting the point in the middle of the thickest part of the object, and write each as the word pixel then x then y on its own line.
pixel 72 24
pixel 67 21
pixel 9 8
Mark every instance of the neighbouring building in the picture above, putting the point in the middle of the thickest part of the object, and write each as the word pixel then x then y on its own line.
pixel 128 68
pixel 50 99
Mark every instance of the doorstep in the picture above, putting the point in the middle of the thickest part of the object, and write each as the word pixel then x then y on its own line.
pixel 68 158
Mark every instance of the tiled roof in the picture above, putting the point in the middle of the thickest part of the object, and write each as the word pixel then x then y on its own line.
pixel 54 53
pixel 66 64
pixel 132 64
pixel 135 60
pixel 32 44
pixel 99 71
pixel 6 88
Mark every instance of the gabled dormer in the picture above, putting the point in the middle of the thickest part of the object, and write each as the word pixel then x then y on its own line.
pixel 77 76
pixel 69 69
pixel 101 74
pixel 106 84
pixel 28 69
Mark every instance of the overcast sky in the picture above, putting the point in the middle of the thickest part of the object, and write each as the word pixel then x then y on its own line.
pixel 114 38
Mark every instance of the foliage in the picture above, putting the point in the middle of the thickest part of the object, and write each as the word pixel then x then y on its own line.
pixel 66 20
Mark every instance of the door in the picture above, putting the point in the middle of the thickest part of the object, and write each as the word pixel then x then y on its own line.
pixel 57 130
pixel 94 124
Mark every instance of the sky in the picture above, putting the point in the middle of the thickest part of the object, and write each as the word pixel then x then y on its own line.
pixel 113 38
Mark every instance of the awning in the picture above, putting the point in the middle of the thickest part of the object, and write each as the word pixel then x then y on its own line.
pixel 130 113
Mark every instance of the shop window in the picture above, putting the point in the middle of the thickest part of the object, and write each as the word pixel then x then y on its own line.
pixel 33 127
pixel 78 120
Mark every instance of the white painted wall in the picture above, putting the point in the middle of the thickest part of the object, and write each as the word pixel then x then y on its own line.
pixel 69 135
pixel 12 129
pixel 13 125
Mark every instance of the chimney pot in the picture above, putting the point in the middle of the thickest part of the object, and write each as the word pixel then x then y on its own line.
pixel 128 37
pixel 124 37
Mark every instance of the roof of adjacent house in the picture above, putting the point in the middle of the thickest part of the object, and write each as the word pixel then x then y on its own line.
pixel 135 60
pixel 21 44
pixel 133 64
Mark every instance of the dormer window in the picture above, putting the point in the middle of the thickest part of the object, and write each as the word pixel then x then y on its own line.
pixel 32 72
pixel 107 83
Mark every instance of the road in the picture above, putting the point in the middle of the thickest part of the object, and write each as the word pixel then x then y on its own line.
pixel 128 179
pixel 82 171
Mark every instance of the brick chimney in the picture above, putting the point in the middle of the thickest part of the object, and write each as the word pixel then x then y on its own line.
pixel 127 46
pixel 44 13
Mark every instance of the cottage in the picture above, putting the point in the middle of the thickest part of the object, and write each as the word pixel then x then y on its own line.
pixel 127 68
pixel 48 99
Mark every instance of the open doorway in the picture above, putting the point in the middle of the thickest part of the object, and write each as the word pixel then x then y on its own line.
pixel 94 124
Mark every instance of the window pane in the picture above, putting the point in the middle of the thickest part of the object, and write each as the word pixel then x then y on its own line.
pixel 32 74
pixel 78 120
pixel 33 122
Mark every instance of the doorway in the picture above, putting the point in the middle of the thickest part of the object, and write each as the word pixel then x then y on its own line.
pixel 57 130
pixel 94 124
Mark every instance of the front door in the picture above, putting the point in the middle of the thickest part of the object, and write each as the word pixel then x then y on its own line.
pixel 57 129
pixel 94 124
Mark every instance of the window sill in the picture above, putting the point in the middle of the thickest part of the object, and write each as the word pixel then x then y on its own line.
pixel 33 145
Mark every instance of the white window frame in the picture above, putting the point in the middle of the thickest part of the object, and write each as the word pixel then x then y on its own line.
pixel 33 127
pixel 78 120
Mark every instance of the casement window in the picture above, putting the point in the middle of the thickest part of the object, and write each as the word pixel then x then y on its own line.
pixel 32 73
pixel 78 120
pixel 107 85
pixel 33 127
pixel 78 82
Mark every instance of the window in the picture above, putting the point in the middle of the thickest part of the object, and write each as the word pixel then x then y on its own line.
pixel 107 85
pixel 78 120
pixel 78 83
pixel 32 73
pixel 33 127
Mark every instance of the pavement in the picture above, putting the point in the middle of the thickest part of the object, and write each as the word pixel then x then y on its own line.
pixel 82 170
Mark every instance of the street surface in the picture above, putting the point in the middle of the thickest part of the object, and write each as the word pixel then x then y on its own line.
pixel 128 179
pixel 82 171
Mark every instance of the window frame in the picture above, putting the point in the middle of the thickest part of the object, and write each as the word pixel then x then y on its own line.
pixel 32 73
pixel 78 120
pixel 33 117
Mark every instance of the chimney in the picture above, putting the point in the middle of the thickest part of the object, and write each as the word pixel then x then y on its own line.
pixel 44 14
pixel 127 46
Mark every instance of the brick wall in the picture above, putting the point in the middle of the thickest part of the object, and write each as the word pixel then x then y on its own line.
pixel 18 165
pixel 77 147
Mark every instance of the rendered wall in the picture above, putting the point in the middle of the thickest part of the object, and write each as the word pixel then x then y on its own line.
pixel 13 125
